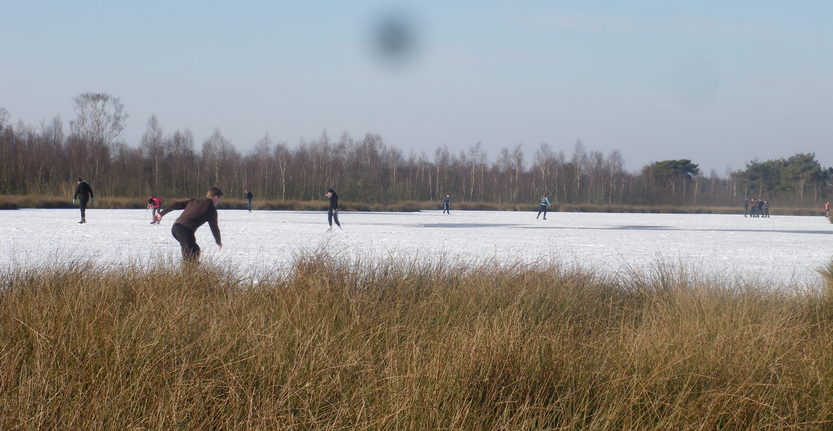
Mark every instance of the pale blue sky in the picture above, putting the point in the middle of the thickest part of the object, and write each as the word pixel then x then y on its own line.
pixel 719 82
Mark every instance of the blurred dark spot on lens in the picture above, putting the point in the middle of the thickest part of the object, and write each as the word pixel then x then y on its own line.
pixel 394 38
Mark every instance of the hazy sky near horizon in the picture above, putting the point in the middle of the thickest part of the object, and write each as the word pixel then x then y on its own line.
pixel 721 83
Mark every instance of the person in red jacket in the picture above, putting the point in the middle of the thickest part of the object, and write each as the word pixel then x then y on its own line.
pixel 196 213
pixel 155 205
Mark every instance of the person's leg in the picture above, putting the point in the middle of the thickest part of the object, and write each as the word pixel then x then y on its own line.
pixel 250 205
pixel 335 218
pixel 83 210
pixel 187 243
pixel 545 212
pixel 330 217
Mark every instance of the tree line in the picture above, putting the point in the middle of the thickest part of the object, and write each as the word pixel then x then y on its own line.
pixel 44 160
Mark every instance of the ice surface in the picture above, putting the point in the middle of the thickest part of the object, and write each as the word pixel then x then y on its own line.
pixel 775 250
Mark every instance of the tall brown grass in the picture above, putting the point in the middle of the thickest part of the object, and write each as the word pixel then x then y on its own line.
pixel 409 346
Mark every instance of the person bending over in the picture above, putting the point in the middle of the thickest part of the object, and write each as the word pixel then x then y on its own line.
pixel 155 205
pixel 196 213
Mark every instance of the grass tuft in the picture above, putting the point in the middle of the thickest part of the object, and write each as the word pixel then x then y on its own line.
pixel 409 345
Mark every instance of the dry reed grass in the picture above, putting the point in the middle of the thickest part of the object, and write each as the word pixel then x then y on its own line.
pixel 409 346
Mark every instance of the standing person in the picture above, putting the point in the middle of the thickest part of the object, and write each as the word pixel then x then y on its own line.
pixel 745 207
pixel 332 212
pixel 197 212
pixel 155 205
pixel 827 209
pixel 545 202
pixel 447 205
pixel 249 197
pixel 765 208
pixel 83 193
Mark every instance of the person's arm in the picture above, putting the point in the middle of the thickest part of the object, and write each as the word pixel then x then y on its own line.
pixel 215 229
pixel 92 195
pixel 77 191
pixel 172 207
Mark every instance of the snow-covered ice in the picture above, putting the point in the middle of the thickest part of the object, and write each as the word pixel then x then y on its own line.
pixel 777 249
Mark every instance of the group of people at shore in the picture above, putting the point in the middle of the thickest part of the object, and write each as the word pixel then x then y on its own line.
pixel 756 208
pixel 196 212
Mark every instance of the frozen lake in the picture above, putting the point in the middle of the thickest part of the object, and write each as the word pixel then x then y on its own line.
pixel 778 249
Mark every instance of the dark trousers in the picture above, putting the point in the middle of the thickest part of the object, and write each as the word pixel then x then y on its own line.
pixel 187 242
pixel 250 204
pixel 332 214
pixel 446 210
pixel 542 210
pixel 83 201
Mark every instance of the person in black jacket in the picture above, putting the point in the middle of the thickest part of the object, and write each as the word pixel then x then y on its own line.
pixel 197 212
pixel 332 212
pixel 249 197
pixel 83 193
pixel 447 205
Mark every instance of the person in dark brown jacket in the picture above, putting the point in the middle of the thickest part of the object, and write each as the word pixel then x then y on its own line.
pixel 197 212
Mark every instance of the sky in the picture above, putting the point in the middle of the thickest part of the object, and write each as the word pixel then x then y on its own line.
pixel 720 83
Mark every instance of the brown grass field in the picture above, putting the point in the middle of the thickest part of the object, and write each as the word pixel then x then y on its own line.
pixel 409 346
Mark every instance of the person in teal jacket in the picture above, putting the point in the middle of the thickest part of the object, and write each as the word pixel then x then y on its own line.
pixel 545 202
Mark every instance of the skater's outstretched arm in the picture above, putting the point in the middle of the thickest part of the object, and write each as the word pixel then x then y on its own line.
pixel 172 207
pixel 215 229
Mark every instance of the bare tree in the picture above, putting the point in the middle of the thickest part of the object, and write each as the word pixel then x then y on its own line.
pixel 262 155
pixel 282 157
pixel 154 148
pixel 99 119
pixel 477 164
pixel 215 150
pixel 4 118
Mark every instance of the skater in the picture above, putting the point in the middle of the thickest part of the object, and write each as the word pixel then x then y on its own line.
pixel 827 209
pixel 545 202
pixel 249 197
pixel 447 205
pixel 332 212
pixel 745 207
pixel 83 193
pixel 765 208
pixel 197 212
pixel 155 205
